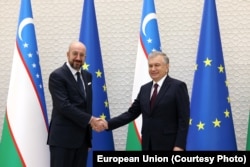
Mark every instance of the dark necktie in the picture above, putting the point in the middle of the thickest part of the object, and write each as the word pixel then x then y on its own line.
pixel 79 83
pixel 153 97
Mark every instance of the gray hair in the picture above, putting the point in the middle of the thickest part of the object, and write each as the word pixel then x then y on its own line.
pixel 158 53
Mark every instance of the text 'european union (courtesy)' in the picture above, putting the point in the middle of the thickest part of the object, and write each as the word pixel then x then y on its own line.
pixel 238 158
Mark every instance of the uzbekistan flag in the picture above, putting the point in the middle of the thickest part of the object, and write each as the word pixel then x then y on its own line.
pixel 25 126
pixel 149 41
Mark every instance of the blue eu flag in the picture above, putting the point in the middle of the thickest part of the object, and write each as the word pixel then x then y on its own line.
pixel 211 121
pixel 89 36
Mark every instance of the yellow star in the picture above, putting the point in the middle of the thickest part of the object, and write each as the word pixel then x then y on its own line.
pixel 207 62
pixel 106 103
pixel 227 113
pixel 85 66
pixel 226 82
pixel 228 99
pixel 195 67
pixel 104 88
pixel 98 74
pixel 216 123
pixel 103 116
pixel 190 121
pixel 200 125
pixel 221 69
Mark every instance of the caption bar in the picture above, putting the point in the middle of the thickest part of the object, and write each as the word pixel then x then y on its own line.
pixel 131 158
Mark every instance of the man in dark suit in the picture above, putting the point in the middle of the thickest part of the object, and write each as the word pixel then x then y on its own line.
pixel 164 123
pixel 70 131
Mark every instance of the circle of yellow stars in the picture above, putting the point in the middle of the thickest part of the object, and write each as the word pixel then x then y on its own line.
pixel 98 73
pixel 216 123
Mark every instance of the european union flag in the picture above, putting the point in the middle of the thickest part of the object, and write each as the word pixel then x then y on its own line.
pixel 89 36
pixel 211 121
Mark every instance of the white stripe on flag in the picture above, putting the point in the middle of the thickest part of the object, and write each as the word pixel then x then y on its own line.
pixel 25 116
pixel 141 77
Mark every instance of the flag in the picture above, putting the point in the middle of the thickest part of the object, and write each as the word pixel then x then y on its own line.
pixel 211 119
pixel 248 135
pixel 149 41
pixel 25 126
pixel 89 36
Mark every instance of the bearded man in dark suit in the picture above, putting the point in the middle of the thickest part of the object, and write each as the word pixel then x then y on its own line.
pixel 70 130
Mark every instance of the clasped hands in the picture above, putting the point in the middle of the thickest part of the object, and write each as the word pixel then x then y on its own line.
pixel 98 124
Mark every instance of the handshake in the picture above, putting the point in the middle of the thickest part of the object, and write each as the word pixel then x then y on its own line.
pixel 98 124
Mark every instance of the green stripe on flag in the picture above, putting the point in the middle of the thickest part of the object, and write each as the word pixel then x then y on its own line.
pixel 248 135
pixel 8 154
pixel 133 142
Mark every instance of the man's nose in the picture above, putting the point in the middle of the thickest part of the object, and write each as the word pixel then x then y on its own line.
pixel 153 68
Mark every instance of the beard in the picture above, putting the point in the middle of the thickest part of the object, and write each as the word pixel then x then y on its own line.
pixel 76 64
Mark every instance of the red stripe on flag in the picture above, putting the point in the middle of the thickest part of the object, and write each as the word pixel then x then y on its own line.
pixel 34 87
pixel 14 141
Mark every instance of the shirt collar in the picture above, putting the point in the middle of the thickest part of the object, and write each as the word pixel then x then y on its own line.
pixel 73 71
pixel 160 82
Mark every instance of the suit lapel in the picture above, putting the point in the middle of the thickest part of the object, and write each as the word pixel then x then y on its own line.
pixel 72 79
pixel 148 95
pixel 86 82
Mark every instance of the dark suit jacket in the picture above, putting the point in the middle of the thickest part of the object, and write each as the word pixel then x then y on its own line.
pixel 167 124
pixel 69 126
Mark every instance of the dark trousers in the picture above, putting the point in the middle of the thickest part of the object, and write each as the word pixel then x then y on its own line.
pixel 68 157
